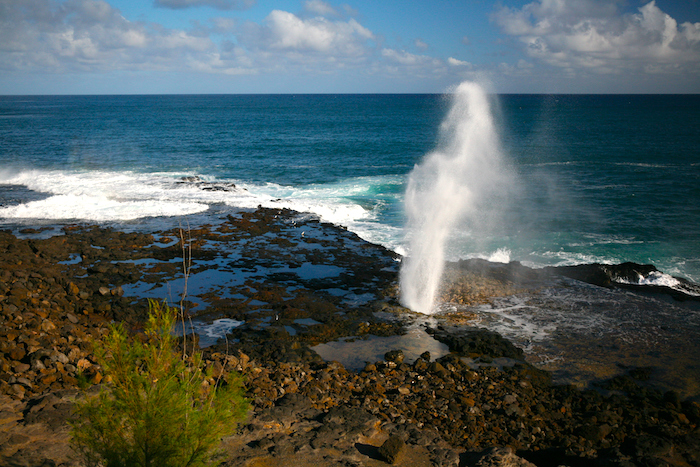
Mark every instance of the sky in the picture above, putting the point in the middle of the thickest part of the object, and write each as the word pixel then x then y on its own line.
pixel 357 46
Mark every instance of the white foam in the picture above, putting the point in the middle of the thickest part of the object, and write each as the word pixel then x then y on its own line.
pixel 502 255
pixel 97 196
pixel 656 278
pixel 566 258
pixel 334 203
pixel 97 208
pixel 108 196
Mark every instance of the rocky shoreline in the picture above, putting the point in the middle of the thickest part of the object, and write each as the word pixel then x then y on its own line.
pixel 295 283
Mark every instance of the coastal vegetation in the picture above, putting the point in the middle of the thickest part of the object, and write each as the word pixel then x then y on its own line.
pixel 160 408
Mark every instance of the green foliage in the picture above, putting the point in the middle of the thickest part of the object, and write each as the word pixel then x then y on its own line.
pixel 161 409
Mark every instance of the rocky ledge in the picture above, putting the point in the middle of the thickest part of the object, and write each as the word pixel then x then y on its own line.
pixel 481 404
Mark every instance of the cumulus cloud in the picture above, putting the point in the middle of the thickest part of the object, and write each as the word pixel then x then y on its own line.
pixel 74 36
pixel 285 32
pixel 594 35
pixel 218 4
pixel 90 35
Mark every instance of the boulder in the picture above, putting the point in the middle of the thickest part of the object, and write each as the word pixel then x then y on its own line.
pixel 392 449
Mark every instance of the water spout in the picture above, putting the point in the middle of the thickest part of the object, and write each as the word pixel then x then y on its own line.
pixel 456 185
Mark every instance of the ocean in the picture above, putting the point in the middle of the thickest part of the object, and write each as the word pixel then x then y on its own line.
pixel 600 178
pixel 591 179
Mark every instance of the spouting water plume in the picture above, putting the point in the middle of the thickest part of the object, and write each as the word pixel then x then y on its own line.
pixel 460 184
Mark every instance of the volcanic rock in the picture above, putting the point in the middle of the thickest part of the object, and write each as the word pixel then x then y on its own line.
pixel 392 449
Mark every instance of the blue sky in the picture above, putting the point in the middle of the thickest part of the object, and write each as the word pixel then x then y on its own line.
pixel 360 46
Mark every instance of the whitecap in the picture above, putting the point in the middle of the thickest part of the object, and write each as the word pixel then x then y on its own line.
pixel 502 255
pixel 97 208
pixel 656 278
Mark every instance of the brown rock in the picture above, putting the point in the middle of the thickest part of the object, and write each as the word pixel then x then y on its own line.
pixel 48 379
pixel 395 356
pixel 18 390
pixel 19 292
pixel 21 367
pixel 439 370
pixel 57 356
pixel 392 449
pixel 73 289
pixel 17 353
pixel 468 401
pixel 502 457
pixel 83 364
pixel 47 326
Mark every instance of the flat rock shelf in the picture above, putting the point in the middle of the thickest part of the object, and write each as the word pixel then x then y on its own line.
pixel 264 288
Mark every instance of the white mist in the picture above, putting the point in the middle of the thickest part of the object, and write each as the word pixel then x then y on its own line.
pixel 458 185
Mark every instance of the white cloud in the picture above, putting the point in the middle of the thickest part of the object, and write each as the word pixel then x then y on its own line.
pixel 593 35
pixel 218 4
pixel 405 58
pixel 285 32
pixel 400 64
pixel 454 62
pixel 90 35
pixel 319 7
pixel 49 37
pixel 420 44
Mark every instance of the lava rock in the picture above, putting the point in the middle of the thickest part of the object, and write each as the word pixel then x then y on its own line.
pixel 392 449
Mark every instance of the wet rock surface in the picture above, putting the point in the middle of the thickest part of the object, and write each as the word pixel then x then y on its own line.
pixel 295 282
pixel 498 279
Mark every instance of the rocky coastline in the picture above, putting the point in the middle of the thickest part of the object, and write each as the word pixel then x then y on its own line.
pixel 294 283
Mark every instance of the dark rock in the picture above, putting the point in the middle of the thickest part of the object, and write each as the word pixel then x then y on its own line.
pixel 439 370
pixel 444 457
pixel 470 341
pixel 420 365
pixel 673 398
pixel 641 373
pixel 17 353
pixel 652 446
pixel 392 449
pixel 395 356
pixel 593 432
pixel 502 457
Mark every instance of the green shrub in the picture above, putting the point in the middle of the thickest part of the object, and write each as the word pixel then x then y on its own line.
pixel 160 408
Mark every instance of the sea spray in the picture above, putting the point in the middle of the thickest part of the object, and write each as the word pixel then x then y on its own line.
pixel 461 184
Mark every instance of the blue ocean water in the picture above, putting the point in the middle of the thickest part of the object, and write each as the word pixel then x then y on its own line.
pixel 598 178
